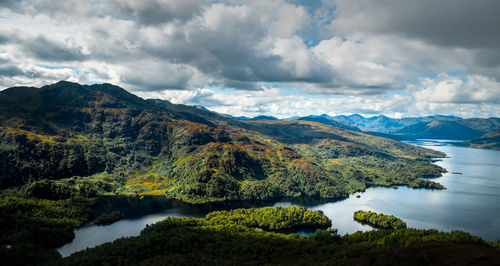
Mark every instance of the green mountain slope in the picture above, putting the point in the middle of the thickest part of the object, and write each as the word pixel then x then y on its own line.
pixel 440 130
pixel 487 141
pixel 463 129
pixel 325 119
pixel 66 139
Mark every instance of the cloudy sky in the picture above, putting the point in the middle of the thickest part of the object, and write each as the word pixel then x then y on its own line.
pixel 266 57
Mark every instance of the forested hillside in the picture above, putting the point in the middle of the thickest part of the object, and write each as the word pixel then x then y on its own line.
pixel 487 141
pixel 67 139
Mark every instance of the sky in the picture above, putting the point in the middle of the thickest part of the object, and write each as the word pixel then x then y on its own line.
pixel 282 58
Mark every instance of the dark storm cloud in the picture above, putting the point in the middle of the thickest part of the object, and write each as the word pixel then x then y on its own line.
pixel 454 23
pixel 44 49
pixel 489 61
pixel 222 41
pixel 9 4
pixel 269 70
pixel 357 48
pixel 11 71
pixel 153 12
pixel 4 39
pixel 224 50
pixel 8 36
pixel 228 50
pixel 146 83
pixel 146 12
pixel 471 26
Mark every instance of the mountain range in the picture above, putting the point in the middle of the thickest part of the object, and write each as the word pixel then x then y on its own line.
pixel 69 139
pixel 408 128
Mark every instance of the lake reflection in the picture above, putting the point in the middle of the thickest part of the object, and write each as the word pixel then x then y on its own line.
pixel 471 203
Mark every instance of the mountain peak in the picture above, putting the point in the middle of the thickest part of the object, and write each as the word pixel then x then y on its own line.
pixel 356 116
pixel 264 117
pixel 65 93
pixel 325 116
pixel 201 107
pixel 61 104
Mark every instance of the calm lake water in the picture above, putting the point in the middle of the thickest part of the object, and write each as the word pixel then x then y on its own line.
pixel 471 203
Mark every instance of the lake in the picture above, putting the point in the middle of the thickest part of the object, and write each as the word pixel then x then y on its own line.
pixel 470 203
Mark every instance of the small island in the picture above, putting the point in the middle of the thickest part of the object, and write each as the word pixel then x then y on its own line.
pixel 108 218
pixel 276 219
pixel 379 220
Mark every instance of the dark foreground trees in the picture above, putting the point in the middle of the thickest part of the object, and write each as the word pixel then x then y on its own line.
pixel 33 228
pixel 191 241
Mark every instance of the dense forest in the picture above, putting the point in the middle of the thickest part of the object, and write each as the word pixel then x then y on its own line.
pixel 379 220
pixel 32 228
pixel 66 140
pixel 108 218
pixel 272 218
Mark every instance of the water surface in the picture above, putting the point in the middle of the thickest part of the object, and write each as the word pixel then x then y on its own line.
pixel 470 203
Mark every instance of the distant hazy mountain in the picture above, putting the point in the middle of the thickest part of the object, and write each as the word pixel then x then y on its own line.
pixel 380 123
pixel 264 117
pixel 436 127
pixel 386 124
pixel 293 118
pixel 440 130
pixel 327 120
pixel 260 117
pixel 432 127
pixel 461 129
